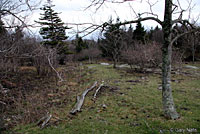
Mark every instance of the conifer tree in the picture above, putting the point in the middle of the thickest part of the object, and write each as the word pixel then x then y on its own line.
pixel 2 28
pixel 139 32
pixel 53 29
pixel 80 44
pixel 112 42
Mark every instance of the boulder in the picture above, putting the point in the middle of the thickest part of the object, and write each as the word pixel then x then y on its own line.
pixel 105 64
pixel 191 67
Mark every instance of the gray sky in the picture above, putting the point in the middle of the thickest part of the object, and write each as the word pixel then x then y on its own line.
pixel 73 11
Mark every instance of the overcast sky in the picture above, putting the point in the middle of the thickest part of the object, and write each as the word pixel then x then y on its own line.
pixel 74 11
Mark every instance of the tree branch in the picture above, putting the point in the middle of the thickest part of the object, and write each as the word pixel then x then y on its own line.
pixel 180 35
pixel 139 20
pixel 58 75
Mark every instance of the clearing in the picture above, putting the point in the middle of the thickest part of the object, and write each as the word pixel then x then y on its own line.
pixel 129 103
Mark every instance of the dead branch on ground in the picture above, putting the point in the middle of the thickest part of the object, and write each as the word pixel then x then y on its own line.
pixel 98 89
pixel 44 120
pixel 80 100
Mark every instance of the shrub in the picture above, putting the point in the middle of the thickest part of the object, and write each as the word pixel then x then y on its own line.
pixel 148 55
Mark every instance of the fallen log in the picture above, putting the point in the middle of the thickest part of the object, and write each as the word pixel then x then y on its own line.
pixel 95 95
pixel 48 120
pixel 44 120
pixel 80 100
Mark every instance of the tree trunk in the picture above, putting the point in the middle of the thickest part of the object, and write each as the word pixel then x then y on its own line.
pixel 193 48
pixel 115 64
pixel 114 59
pixel 168 103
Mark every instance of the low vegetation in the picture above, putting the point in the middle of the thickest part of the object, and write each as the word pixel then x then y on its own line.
pixel 129 102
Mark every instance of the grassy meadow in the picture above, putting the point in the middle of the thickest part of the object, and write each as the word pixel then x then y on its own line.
pixel 130 103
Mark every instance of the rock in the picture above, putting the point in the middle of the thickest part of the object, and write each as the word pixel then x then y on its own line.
pixel 124 65
pixel 90 67
pixel 105 64
pixel 104 106
pixel 191 67
pixel 160 87
pixel 149 70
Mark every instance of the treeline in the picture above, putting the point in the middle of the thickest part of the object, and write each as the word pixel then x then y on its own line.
pixel 131 45
pixel 137 46
pixel 134 46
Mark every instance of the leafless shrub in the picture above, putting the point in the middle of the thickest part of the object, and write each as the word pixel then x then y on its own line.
pixel 177 57
pixel 9 53
pixel 41 60
pixel 91 54
pixel 26 99
pixel 17 50
pixel 24 106
pixel 148 55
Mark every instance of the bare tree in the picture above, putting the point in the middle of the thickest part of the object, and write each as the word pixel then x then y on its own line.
pixel 13 14
pixel 188 44
pixel 15 8
pixel 166 24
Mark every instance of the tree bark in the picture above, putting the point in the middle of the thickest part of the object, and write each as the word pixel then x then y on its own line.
pixel 168 103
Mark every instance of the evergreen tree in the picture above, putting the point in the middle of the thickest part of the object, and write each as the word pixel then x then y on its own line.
pixel 139 33
pixel 130 29
pixel 80 44
pixel 157 35
pixel 111 44
pixel 128 38
pixel 2 28
pixel 53 29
